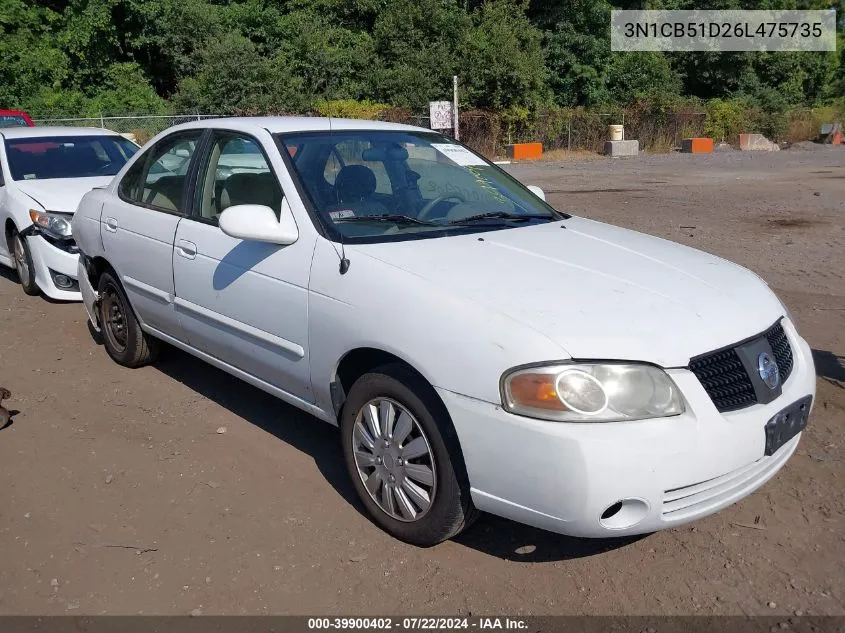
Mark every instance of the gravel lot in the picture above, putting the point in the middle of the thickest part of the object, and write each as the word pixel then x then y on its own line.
pixel 175 488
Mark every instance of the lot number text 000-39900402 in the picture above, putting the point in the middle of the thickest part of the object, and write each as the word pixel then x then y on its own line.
pixel 417 623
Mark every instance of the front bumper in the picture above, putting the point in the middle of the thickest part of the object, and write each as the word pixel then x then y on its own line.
pixel 47 258
pixel 564 476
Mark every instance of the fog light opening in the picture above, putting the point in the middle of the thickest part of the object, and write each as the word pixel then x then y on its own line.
pixel 63 281
pixel 624 514
pixel 612 510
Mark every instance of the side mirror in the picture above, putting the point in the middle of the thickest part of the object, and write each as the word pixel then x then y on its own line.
pixel 537 192
pixel 258 223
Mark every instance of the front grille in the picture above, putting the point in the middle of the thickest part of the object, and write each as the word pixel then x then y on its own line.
pixel 780 346
pixel 724 377
pixel 725 380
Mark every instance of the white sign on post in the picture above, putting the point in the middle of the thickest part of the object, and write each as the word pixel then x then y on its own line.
pixel 441 115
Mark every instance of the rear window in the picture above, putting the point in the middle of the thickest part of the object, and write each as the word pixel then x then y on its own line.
pixel 12 120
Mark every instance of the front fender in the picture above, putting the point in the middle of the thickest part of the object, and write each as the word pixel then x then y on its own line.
pixel 453 342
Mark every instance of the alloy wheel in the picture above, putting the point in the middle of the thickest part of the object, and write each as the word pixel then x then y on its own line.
pixel 22 262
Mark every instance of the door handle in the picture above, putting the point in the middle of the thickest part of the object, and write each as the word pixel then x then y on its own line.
pixel 186 249
pixel 111 225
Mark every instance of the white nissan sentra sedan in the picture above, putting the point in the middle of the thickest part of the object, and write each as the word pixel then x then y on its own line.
pixel 44 172
pixel 479 350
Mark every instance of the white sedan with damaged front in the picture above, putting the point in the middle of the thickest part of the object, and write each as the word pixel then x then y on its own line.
pixel 478 349
pixel 44 172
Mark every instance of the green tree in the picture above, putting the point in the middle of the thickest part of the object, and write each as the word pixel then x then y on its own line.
pixel 127 91
pixel 501 58
pixel 30 61
pixel 232 76
pixel 577 49
pixel 417 46
pixel 331 61
pixel 633 76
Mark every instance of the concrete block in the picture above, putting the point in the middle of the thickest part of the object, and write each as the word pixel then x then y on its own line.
pixel 525 151
pixel 756 143
pixel 831 133
pixel 697 145
pixel 622 148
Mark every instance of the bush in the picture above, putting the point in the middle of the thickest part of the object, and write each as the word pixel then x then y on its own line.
pixel 351 109
pixel 127 91
pixel 727 119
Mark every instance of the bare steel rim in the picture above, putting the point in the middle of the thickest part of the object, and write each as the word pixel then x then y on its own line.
pixel 114 313
pixel 21 261
pixel 394 459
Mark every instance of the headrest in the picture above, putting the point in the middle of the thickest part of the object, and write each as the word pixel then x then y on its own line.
pixel 354 182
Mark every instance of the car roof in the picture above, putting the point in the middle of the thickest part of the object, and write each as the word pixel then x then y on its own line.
pixel 13 112
pixel 38 132
pixel 283 124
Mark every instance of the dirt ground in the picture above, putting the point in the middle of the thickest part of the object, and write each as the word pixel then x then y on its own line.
pixel 120 495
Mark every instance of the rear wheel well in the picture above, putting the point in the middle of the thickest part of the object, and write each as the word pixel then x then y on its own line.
pixel 95 268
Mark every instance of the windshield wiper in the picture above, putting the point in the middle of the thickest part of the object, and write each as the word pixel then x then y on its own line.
pixel 392 218
pixel 503 215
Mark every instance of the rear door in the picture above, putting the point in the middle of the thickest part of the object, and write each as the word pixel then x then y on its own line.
pixel 243 302
pixel 138 227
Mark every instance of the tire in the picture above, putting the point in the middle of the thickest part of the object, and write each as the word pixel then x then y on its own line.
pixel 450 508
pixel 123 338
pixel 23 265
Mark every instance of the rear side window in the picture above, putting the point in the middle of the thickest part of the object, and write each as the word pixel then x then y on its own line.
pixel 158 179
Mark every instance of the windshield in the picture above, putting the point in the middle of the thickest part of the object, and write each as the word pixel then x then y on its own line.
pixel 44 157
pixel 12 120
pixel 368 186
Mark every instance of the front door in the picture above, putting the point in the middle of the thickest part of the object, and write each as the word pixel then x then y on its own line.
pixel 243 302
pixel 138 227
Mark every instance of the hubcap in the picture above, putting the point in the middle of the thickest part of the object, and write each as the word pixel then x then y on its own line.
pixel 114 318
pixel 394 459
pixel 21 263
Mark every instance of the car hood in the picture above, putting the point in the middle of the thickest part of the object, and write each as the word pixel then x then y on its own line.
pixel 598 291
pixel 60 194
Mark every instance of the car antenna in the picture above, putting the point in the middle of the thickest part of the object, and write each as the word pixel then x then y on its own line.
pixel 344 261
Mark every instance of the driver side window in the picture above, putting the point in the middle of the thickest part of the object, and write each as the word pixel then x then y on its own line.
pixel 236 172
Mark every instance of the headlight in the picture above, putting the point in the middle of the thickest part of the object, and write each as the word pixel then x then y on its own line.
pixel 54 224
pixel 600 392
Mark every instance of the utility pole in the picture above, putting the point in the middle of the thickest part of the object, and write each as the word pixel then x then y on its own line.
pixel 455 120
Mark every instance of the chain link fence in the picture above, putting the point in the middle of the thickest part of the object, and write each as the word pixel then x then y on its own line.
pixel 489 133
pixel 138 128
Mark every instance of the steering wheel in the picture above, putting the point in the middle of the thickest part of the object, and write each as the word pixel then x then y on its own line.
pixel 423 214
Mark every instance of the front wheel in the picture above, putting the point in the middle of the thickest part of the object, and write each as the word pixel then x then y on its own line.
pixel 23 265
pixel 123 338
pixel 401 456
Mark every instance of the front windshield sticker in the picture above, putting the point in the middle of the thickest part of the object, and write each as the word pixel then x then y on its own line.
pixel 340 215
pixel 460 155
